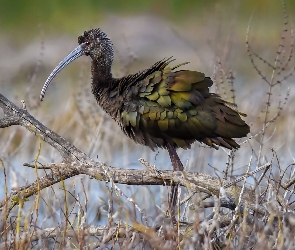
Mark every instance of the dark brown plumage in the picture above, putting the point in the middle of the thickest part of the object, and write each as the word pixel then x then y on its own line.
pixel 161 106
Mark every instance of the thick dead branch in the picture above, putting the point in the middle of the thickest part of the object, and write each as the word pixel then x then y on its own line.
pixel 76 162
pixel 19 116
pixel 9 121
pixel 194 181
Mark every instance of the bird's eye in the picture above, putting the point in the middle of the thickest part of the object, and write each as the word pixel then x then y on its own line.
pixel 87 43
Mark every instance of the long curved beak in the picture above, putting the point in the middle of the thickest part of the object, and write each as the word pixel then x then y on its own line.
pixel 76 53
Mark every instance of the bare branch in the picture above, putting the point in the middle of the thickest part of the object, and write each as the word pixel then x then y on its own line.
pixel 76 162
pixel 67 150
pixel 8 121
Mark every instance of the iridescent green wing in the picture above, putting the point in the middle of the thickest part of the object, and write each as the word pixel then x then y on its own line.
pixel 176 107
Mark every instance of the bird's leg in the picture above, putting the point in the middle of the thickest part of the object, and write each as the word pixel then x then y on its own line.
pixel 177 166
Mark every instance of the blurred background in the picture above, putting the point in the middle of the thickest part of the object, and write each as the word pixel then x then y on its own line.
pixel 36 35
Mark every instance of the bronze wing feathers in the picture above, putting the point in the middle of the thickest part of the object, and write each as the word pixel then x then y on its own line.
pixel 176 107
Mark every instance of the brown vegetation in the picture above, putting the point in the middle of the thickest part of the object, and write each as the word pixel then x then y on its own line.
pixel 51 208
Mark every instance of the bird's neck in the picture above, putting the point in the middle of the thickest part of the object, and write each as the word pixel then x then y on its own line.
pixel 101 72
pixel 104 89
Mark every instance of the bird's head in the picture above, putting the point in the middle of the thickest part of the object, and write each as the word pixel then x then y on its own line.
pixel 94 43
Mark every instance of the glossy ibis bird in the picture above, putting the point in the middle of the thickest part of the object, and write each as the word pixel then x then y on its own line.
pixel 160 106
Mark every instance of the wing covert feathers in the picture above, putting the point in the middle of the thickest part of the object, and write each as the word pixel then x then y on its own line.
pixel 164 106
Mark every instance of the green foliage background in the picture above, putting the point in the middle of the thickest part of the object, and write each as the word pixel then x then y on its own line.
pixel 23 17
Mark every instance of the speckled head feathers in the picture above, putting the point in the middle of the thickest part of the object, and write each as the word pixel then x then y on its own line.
pixel 94 34
pixel 98 45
